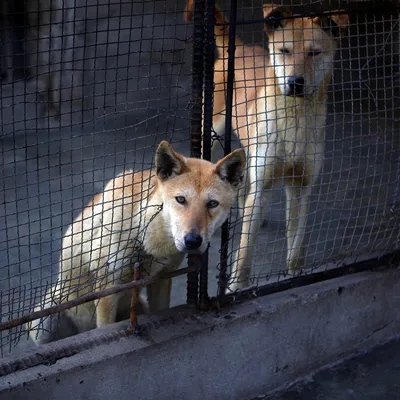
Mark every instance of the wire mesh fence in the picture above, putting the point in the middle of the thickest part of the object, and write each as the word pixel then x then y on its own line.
pixel 322 178
pixel 90 88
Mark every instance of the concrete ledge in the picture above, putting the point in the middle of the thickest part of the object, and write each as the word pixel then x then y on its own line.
pixel 244 351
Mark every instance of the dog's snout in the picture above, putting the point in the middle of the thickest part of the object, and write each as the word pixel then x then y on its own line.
pixel 296 86
pixel 193 241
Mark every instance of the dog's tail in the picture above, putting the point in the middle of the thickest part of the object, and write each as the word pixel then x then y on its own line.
pixel 221 25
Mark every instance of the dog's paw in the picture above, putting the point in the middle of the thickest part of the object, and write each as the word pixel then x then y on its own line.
pixel 144 304
pixel 237 284
pixel 295 266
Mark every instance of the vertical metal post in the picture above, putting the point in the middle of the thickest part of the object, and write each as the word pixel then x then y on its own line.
pixel 223 276
pixel 204 300
pixel 209 53
pixel 196 123
pixel 6 41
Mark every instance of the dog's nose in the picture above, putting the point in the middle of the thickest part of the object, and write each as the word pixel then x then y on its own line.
pixel 193 241
pixel 296 86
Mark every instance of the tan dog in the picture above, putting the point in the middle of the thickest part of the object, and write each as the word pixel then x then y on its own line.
pixel 153 217
pixel 279 114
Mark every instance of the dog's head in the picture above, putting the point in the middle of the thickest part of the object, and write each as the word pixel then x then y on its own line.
pixel 302 49
pixel 197 194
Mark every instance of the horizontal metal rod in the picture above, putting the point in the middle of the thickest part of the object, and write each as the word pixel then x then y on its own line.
pixel 389 260
pixel 90 297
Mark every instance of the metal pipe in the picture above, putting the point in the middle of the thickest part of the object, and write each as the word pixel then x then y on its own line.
pixel 223 277
pixel 209 53
pixel 196 122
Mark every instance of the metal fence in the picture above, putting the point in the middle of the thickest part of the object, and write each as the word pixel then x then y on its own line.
pixel 89 88
pixel 352 206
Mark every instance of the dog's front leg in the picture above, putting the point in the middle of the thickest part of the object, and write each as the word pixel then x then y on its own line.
pixel 53 327
pixel 106 312
pixel 110 275
pixel 159 295
pixel 297 203
pixel 254 205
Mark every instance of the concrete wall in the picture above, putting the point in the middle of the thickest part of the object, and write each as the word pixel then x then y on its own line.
pixel 239 353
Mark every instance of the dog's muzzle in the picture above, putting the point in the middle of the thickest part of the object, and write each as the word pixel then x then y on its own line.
pixel 193 241
pixel 295 86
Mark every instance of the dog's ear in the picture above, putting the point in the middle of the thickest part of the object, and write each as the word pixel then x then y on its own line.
pixel 231 168
pixel 168 163
pixel 188 13
pixel 274 16
pixel 333 24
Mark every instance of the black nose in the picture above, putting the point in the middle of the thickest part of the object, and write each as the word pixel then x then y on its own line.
pixel 296 86
pixel 193 241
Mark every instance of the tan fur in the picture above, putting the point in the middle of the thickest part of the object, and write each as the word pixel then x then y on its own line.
pixel 138 218
pixel 283 133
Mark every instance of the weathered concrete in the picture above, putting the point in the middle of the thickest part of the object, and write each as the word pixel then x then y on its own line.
pixel 249 349
pixel 373 375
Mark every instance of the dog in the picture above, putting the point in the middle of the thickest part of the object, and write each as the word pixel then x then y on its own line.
pixel 41 32
pixel 50 45
pixel 153 217
pixel 279 114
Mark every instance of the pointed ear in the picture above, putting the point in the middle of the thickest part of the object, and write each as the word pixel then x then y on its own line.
pixel 168 163
pixel 274 16
pixel 341 20
pixel 333 24
pixel 188 13
pixel 231 168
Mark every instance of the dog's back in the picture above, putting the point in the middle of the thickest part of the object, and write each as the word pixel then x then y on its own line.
pixel 86 249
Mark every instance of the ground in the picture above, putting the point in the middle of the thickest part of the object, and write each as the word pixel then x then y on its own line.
pixel 370 376
pixel 135 71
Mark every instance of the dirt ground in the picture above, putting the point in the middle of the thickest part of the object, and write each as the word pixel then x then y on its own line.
pixel 133 64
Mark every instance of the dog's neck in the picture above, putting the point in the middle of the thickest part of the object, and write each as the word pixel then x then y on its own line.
pixel 159 242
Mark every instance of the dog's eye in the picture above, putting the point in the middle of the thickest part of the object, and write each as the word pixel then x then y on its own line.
pixel 180 199
pixel 212 204
pixel 284 50
pixel 313 53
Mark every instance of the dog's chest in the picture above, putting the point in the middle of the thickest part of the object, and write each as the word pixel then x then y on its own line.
pixel 151 266
pixel 147 242
pixel 295 131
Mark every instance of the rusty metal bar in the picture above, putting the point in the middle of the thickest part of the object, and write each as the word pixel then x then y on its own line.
pixel 196 122
pixel 223 275
pixel 89 297
pixel 195 262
